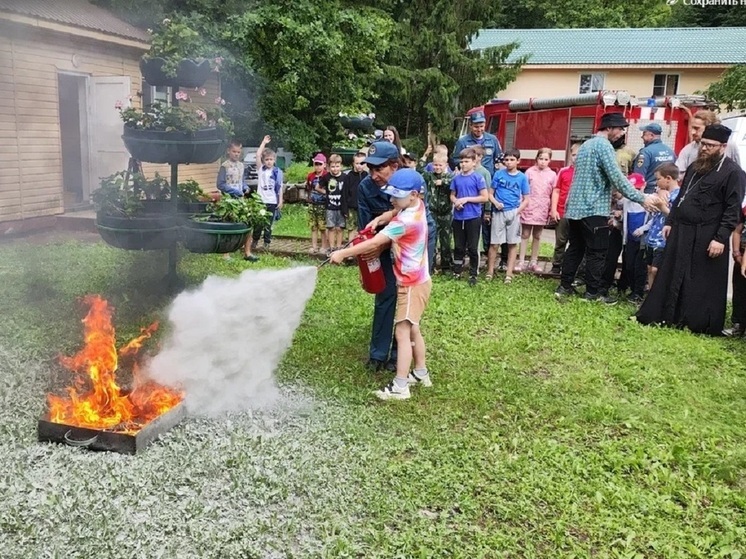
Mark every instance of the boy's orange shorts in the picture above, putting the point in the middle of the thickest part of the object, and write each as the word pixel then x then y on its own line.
pixel 412 301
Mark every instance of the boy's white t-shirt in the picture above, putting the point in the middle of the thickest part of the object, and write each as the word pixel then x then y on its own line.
pixel 266 186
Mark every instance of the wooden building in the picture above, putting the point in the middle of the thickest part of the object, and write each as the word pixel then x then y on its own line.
pixel 63 67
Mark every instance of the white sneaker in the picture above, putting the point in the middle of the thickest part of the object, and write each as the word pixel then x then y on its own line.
pixel 392 391
pixel 415 380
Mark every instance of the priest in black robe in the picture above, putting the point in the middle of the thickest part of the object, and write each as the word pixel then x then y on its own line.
pixel 690 290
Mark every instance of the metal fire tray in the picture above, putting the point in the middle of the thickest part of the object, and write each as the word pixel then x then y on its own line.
pixel 101 439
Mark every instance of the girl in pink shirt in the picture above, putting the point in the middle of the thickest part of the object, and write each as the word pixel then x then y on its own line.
pixel 541 179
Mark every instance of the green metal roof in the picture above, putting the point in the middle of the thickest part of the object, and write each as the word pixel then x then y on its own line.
pixel 676 45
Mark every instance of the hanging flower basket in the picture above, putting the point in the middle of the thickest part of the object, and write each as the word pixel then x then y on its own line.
pixel 362 123
pixel 146 232
pixel 213 236
pixel 189 73
pixel 159 146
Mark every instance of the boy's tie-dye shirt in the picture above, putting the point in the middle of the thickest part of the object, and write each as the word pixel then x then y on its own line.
pixel 408 234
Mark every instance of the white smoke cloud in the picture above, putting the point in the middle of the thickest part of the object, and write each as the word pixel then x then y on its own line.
pixel 228 336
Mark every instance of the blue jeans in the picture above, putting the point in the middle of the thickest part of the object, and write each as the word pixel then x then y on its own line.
pixel 267 230
pixel 384 310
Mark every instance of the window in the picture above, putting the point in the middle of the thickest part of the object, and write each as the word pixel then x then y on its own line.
pixel 493 124
pixel 152 94
pixel 581 128
pixel 665 84
pixel 509 134
pixel 590 83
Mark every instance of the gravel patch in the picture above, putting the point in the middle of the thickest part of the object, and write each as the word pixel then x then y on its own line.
pixel 269 483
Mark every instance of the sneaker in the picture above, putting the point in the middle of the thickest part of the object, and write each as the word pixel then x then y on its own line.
pixel 635 298
pixel 503 266
pixel 457 275
pixel 414 380
pixel 473 281
pixel 520 267
pixel 254 244
pixel 599 297
pixel 536 268
pixel 392 391
pixel 251 258
pixel 562 292
pixel 578 282
pixel 508 280
pixel 735 331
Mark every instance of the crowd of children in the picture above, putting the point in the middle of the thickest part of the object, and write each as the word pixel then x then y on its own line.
pixel 509 208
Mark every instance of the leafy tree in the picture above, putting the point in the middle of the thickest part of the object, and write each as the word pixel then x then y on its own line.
pixel 430 76
pixel 314 60
pixel 730 89
pixel 146 13
pixel 549 14
pixel 687 15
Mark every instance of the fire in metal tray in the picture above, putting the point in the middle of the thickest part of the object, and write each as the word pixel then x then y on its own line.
pixel 96 406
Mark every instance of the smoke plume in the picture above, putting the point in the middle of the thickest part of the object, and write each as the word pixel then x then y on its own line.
pixel 228 336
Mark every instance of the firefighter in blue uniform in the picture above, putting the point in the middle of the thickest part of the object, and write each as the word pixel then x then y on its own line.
pixel 491 159
pixel 382 160
pixel 478 137
pixel 653 155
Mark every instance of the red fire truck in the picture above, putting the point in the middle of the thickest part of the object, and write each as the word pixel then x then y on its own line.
pixel 556 123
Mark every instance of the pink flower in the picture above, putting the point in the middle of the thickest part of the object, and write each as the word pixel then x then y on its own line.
pixel 118 105
pixel 182 96
pixel 201 114
pixel 202 91
pixel 219 101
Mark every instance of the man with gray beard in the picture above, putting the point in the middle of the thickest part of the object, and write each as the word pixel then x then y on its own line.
pixel 691 287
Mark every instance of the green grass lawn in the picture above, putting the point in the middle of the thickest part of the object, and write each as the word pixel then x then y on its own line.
pixel 294 222
pixel 552 430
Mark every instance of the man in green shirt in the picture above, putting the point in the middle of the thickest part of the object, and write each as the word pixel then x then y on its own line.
pixel 588 206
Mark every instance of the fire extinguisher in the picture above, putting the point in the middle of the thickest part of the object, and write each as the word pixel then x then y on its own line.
pixel 371 273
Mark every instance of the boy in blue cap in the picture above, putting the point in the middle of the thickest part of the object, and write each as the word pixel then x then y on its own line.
pixel 653 155
pixel 406 234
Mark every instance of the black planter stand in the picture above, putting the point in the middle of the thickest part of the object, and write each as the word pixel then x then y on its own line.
pixel 213 237
pixel 203 146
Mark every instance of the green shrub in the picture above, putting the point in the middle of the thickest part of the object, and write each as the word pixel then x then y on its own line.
pixel 297 172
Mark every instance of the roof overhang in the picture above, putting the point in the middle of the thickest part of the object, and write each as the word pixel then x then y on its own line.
pixel 624 66
pixel 44 25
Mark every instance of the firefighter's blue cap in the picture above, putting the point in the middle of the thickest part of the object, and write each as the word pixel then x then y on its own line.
pixel 381 152
pixel 403 182
pixel 477 117
pixel 653 128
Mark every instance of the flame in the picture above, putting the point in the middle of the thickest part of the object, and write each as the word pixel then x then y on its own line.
pixel 96 400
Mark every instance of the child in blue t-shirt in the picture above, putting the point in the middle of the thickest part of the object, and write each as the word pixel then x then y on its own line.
pixel 468 193
pixel 667 181
pixel 509 195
